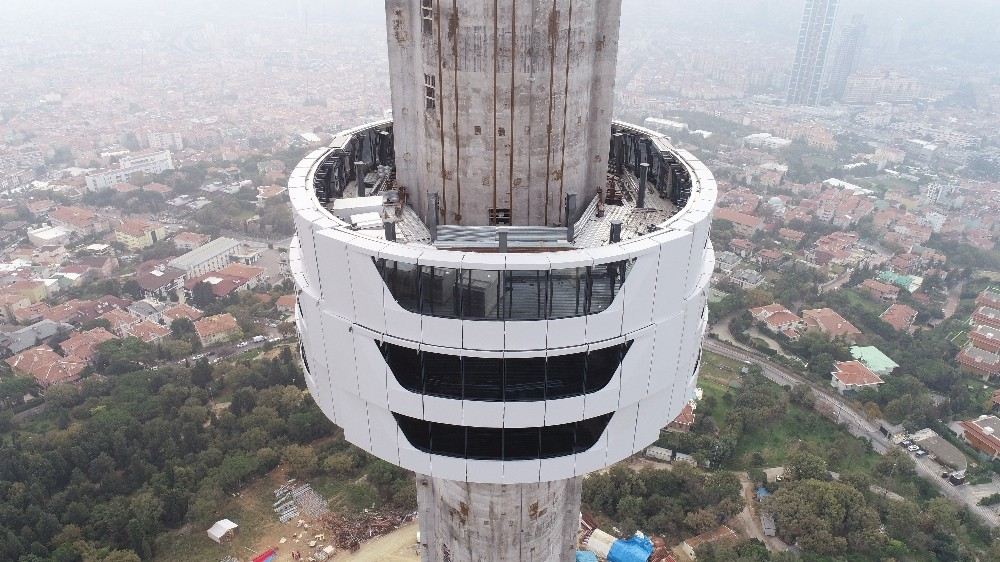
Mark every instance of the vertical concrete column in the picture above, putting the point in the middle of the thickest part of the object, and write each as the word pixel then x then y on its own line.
pixel 502 105
pixel 469 522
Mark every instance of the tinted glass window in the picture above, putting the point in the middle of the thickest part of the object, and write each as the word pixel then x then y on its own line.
pixel 403 281
pixel 512 379
pixel 498 444
pixel 524 379
pixel 602 365
pixel 509 295
pixel 564 376
pixel 405 365
pixel 605 281
pixel 482 297
pixel 442 375
pixel 567 292
pixel 521 443
pixel 447 440
pixel 527 294
pixel 483 378
pixel 484 443
pixel 589 431
pixel 439 292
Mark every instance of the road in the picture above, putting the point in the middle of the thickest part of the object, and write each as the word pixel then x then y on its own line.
pixel 856 423
pixel 951 304
pixel 836 283
pixel 748 520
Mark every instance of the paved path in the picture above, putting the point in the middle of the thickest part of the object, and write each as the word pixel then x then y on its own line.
pixel 837 283
pixel 749 521
pixel 951 304
pixel 856 423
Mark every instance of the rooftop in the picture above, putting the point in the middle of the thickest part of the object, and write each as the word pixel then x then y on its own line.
pixel 873 358
pixel 203 253
pixel 668 189
pixel 855 373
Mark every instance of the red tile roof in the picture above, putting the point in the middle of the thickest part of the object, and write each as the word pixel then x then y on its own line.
pixel 46 366
pixel 854 373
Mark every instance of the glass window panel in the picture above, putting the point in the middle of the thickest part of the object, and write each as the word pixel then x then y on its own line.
pixel 557 440
pixel 442 375
pixel 405 366
pixel 484 443
pixel 565 375
pixel 602 365
pixel 487 443
pixel 520 443
pixel 403 281
pixel 439 292
pixel 604 283
pixel 481 295
pixel 447 440
pixel 483 378
pixel 589 431
pixel 526 293
pixel 417 432
pixel 524 379
pixel 567 292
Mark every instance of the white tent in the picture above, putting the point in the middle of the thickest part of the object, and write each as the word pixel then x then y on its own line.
pixel 222 531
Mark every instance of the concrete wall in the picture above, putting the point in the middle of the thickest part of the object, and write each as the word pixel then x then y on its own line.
pixel 460 521
pixel 523 95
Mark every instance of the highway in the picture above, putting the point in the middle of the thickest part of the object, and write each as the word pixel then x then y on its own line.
pixel 856 423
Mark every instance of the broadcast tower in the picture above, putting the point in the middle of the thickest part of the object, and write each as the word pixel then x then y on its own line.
pixel 500 288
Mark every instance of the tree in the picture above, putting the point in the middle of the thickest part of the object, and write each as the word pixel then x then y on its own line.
pixel 805 466
pixel 62 395
pixel 244 400
pixel 302 460
pixel 131 289
pixel 201 372
pixel 202 295
pixel 182 328
pixel 825 518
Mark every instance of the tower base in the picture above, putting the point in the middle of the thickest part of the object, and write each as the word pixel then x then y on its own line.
pixel 469 522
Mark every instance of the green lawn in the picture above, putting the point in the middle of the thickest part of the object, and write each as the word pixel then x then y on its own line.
pixel 775 440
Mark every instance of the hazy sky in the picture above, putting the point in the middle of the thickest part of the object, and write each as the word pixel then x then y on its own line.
pixel 965 29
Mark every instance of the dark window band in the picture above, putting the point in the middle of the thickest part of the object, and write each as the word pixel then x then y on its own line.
pixel 494 444
pixel 472 294
pixel 498 379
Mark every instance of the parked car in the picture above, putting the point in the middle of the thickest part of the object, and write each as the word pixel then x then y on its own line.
pixel 906 443
pixel 913 448
pixel 921 453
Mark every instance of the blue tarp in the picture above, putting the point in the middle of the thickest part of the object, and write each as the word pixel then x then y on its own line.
pixel 585 556
pixel 636 548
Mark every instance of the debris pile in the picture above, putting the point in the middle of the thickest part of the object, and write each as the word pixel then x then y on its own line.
pixel 293 500
pixel 348 532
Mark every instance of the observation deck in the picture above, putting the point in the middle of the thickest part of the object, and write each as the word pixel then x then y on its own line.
pixel 670 184
pixel 502 353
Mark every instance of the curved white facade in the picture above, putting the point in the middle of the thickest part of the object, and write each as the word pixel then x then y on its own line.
pixel 346 311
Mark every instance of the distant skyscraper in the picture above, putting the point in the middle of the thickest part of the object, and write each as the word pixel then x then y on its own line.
pixel 846 59
pixel 806 84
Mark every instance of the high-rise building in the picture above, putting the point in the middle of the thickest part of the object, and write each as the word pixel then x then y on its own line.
pixel 846 58
pixel 805 87
pixel 501 289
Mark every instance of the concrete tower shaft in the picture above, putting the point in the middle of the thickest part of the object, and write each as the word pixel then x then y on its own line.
pixel 502 108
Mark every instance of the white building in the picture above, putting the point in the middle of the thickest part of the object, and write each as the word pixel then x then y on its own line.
pixel 164 140
pixel 766 140
pixel 148 162
pixel 210 257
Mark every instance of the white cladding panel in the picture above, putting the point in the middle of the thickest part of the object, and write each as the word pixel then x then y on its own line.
pixel 346 308
pixel 338 296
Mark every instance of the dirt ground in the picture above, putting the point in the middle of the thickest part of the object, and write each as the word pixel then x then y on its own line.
pixel 397 546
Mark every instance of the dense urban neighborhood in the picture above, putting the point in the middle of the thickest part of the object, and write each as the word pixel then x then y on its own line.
pixel 151 380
